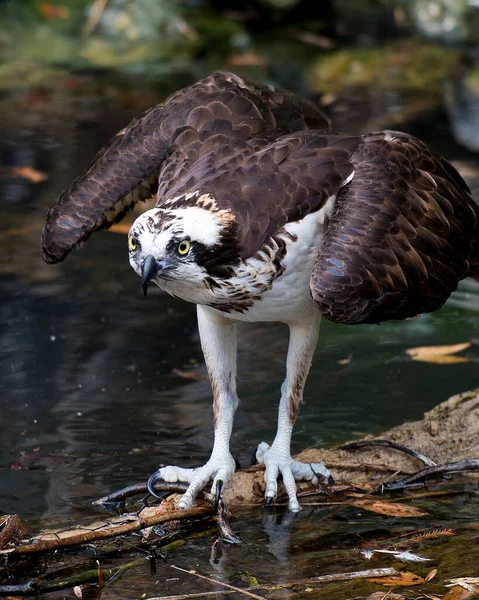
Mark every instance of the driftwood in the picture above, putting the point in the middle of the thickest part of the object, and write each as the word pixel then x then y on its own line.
pixel 447 434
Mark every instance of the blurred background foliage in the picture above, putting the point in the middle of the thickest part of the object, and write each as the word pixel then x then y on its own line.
pixel 39 38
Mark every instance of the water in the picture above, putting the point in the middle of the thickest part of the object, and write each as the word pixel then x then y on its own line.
pixel 89 401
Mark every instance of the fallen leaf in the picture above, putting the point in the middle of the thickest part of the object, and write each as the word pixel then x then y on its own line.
pixel 458 593
pixel 439 354
pixel 120 228
pixel 468 583
pixel 29 173
pixel 432 573
pixel 346 361
pixel 391 509
pixel 190 375
pixel 404 578
pixel 445 360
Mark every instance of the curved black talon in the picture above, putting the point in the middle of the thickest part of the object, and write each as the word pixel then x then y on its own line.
pixel 151 484
pixel 219 487
pixel 331 480
pixel 268 501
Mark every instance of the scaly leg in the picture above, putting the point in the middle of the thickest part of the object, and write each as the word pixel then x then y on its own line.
pixel 218 341
pixel 277 457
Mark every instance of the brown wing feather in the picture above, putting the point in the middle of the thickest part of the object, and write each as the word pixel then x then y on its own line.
pixel 404 233
pixel 265 185
pixel 126 170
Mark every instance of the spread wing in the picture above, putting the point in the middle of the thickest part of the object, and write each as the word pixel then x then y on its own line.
pixel 403 233
pixel 127 169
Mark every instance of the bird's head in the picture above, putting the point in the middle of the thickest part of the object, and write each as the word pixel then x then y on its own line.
pixel 190 244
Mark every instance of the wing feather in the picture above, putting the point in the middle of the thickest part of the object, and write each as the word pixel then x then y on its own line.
pixel 404 233
pixel 163 143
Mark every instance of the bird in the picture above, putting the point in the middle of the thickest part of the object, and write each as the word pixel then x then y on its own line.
pixel 264 214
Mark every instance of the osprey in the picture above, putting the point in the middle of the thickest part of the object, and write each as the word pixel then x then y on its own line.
pixel 262 214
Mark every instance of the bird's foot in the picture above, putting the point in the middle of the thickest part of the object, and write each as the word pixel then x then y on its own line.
pixel 277 461
pixel 219 468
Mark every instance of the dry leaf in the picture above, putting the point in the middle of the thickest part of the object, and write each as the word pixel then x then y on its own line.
pixel 445 360
pixel 190 375
pixel 439 354
pixel 391 509
pixel 120 228
pixel 30 173
pixel 403 578
pixel 458 593
pixel 432 573
pixel 468 583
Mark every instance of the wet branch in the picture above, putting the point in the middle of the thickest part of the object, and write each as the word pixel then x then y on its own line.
pixel 86 537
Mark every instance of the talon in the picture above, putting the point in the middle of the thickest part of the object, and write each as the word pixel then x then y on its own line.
pixel 219 487
pixel 268 501
pixel 331 480
pixel 151 484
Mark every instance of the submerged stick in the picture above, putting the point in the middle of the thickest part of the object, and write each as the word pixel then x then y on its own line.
pixel 38 586
pixel 388 444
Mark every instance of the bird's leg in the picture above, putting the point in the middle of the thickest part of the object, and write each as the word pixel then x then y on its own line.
pixel 218 341
pixel 277 457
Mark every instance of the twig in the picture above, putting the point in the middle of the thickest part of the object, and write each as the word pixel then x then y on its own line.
pixel 8 528
pixel 141 488
pixel 120 495
pixel 42 545
pixel 388 444
pixel 455 467
pixel 217 582
pixel 227 534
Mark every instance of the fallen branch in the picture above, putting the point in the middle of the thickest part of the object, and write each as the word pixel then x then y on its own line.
pixel 110 531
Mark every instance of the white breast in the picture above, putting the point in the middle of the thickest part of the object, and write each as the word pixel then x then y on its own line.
pixel 289 298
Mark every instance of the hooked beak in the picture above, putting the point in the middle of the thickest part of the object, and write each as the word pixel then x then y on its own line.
pixel 150 269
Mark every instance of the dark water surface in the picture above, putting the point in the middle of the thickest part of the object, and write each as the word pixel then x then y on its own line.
pixel 89 401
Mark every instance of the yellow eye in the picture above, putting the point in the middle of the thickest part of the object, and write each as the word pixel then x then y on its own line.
pixel 132 242
pixel 183 247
